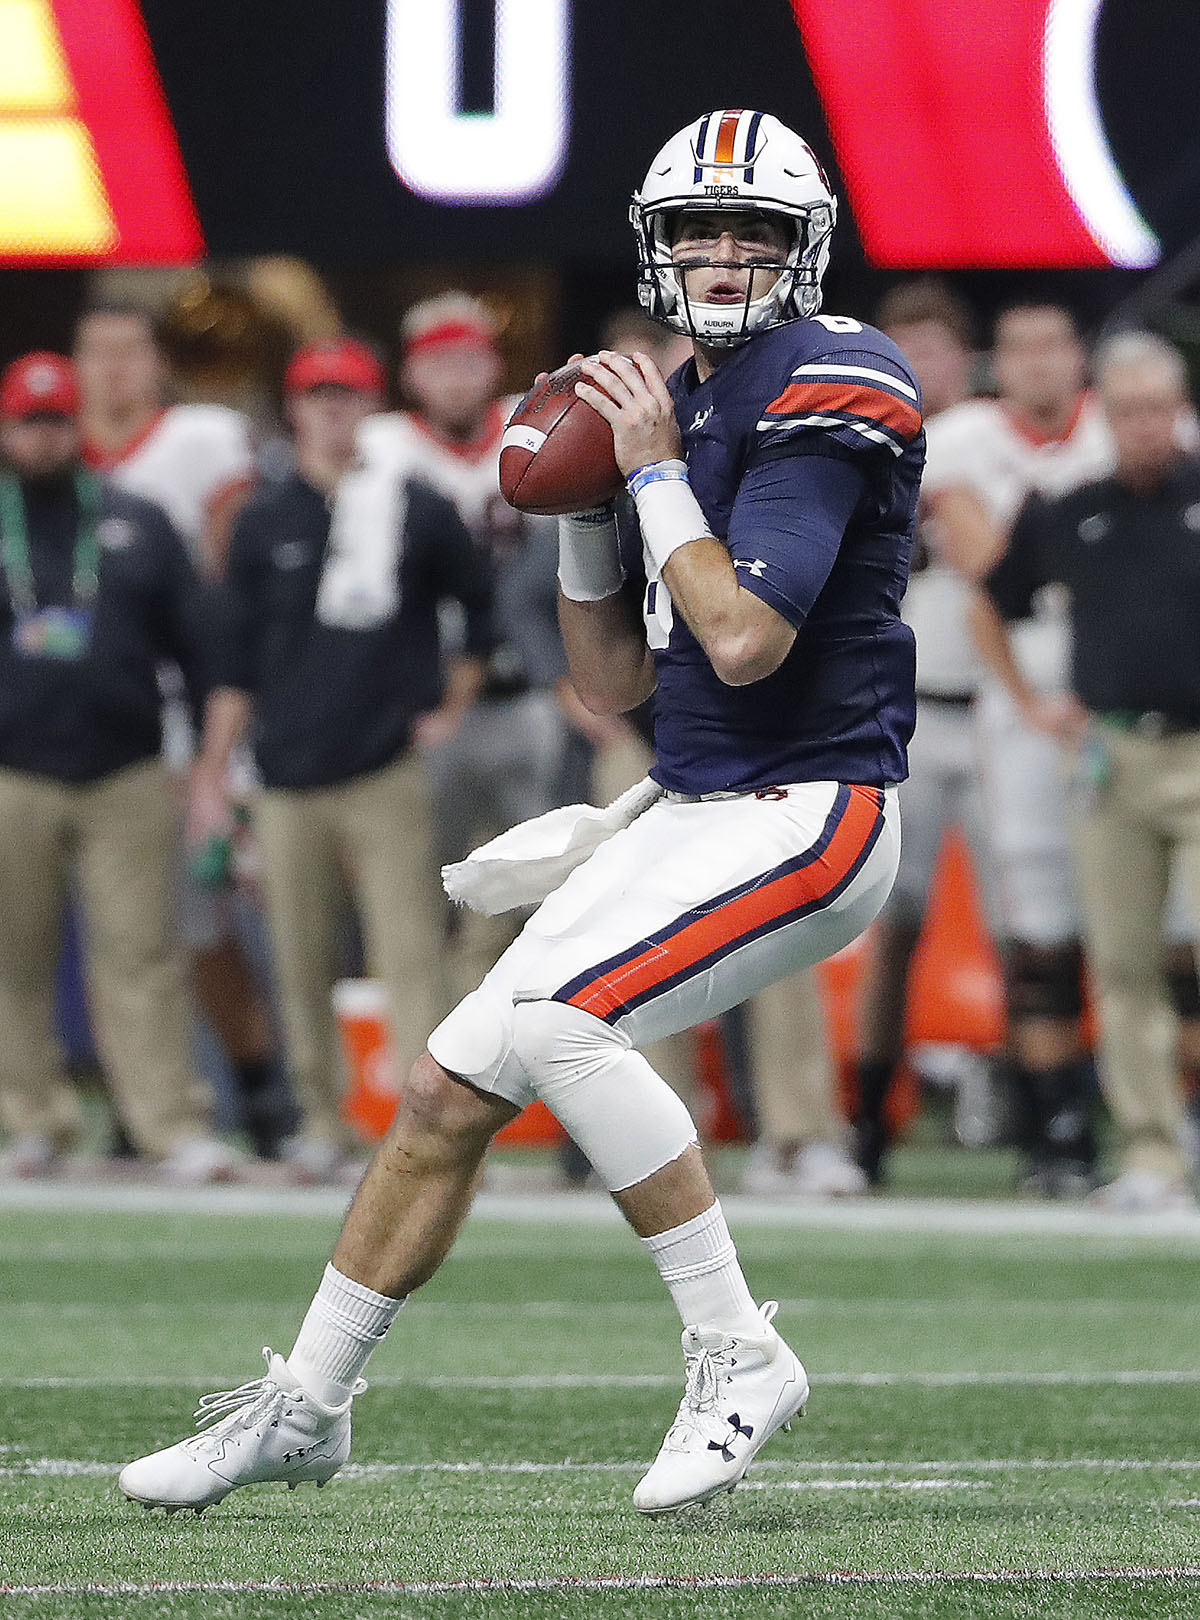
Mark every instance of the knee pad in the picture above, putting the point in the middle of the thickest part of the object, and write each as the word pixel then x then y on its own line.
pixel 605 1095
pixel 1044 981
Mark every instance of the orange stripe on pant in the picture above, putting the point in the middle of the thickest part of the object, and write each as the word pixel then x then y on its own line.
pixel 724 927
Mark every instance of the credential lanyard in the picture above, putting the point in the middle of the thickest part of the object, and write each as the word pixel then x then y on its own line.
pixel 14 544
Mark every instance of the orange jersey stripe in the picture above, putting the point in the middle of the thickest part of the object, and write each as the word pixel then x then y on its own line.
pixel 726 925
pixel 857 398
pixel 725 137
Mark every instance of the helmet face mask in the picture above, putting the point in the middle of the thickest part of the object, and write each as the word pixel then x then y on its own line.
pixel 740 162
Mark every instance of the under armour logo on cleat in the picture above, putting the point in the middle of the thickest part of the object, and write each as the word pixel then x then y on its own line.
pixel 737 1427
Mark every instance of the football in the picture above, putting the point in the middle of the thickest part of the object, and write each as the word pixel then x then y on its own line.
pixel 557 452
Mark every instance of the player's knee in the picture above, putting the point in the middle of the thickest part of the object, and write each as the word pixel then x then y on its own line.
pixel 1044 981
pixel 606 1096
pixel 438 1103
pixel 557 1044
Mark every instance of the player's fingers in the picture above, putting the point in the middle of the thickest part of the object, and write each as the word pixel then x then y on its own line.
pixel 609 379
pixel 653 379
pixel 625 369
pixel 599 401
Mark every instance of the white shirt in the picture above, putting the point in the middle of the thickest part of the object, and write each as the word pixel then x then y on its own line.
pixel 186 459
pixel 980 446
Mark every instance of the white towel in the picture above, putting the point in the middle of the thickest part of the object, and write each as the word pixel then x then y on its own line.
pixel 360 578
pixel 524 865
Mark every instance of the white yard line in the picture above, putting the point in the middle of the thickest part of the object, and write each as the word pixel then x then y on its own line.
pixel 571 1309
pixel 615 1583
pixel 542 1381
pixel 982 1217
pixel 69 1467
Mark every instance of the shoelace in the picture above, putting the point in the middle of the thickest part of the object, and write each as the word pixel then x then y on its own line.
pixel 247 1403
pixel 703 1374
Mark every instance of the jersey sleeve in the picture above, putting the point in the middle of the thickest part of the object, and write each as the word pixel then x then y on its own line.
pixel 1024 568
pixel 853 402
pixel 787 524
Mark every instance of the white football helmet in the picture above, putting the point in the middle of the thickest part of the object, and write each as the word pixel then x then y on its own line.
pixel 741 161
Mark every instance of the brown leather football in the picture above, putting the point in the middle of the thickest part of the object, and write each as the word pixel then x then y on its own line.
pixel 557 452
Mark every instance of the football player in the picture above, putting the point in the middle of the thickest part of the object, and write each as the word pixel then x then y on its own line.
pixel 775 484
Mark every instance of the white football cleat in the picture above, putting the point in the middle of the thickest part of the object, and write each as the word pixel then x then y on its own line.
pixel 741 1388
pixel 268 1429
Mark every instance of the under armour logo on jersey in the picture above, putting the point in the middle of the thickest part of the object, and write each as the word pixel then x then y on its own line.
pixel 736 1427
pixel 1191 517
pixel 758 568
pixel 699 420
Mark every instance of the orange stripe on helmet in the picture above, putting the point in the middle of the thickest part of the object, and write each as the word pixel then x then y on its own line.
pixel 726 136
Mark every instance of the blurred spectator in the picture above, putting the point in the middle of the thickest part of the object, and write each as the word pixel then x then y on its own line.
pixel 330 661
pixel 1045 432
pixel 97 590
pixel 196 462
pixel 934 328
pixel 800 1149
pixel 502 763
pixel 1126 549
pixel 630 329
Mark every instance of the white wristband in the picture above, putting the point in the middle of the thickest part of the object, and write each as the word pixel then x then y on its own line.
pixel 589 562
pixel 668 512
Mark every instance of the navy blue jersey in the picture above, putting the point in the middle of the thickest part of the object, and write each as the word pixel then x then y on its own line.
pixel 804 450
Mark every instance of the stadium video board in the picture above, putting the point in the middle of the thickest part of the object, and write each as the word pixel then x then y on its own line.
pixel 960 133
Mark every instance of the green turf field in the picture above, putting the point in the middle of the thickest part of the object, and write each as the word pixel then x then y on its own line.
pixel 1020 1411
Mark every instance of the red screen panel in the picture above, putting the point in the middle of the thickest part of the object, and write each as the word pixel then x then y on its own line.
pixel 968 133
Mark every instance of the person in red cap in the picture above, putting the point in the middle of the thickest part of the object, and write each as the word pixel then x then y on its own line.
pixel 505 762
pixel 96 591
pixel 330 663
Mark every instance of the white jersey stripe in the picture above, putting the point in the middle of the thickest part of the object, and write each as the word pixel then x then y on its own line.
pixel 834 371
pixel 878 435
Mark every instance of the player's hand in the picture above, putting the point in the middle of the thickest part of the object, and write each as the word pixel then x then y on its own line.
pixel 209 806
pixel 542 375
pixel 1060 716
pixel 632 397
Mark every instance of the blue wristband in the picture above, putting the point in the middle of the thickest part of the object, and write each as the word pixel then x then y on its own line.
pixel 655 472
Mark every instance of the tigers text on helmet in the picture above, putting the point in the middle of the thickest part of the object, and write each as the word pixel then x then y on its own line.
pixel 745 162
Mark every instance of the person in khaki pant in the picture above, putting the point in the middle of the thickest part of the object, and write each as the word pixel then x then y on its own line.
pixel 95 591
pixel 1128 548
pixel 330 660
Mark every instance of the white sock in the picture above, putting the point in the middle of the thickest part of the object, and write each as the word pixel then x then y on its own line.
pixel 699 1265
pixel 344 1324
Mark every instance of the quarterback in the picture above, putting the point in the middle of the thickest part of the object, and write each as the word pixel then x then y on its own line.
pixel 753 585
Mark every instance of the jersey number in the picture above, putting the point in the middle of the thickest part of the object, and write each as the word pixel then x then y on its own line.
pixel 512 150
pixel 839 323
pixel 659 614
